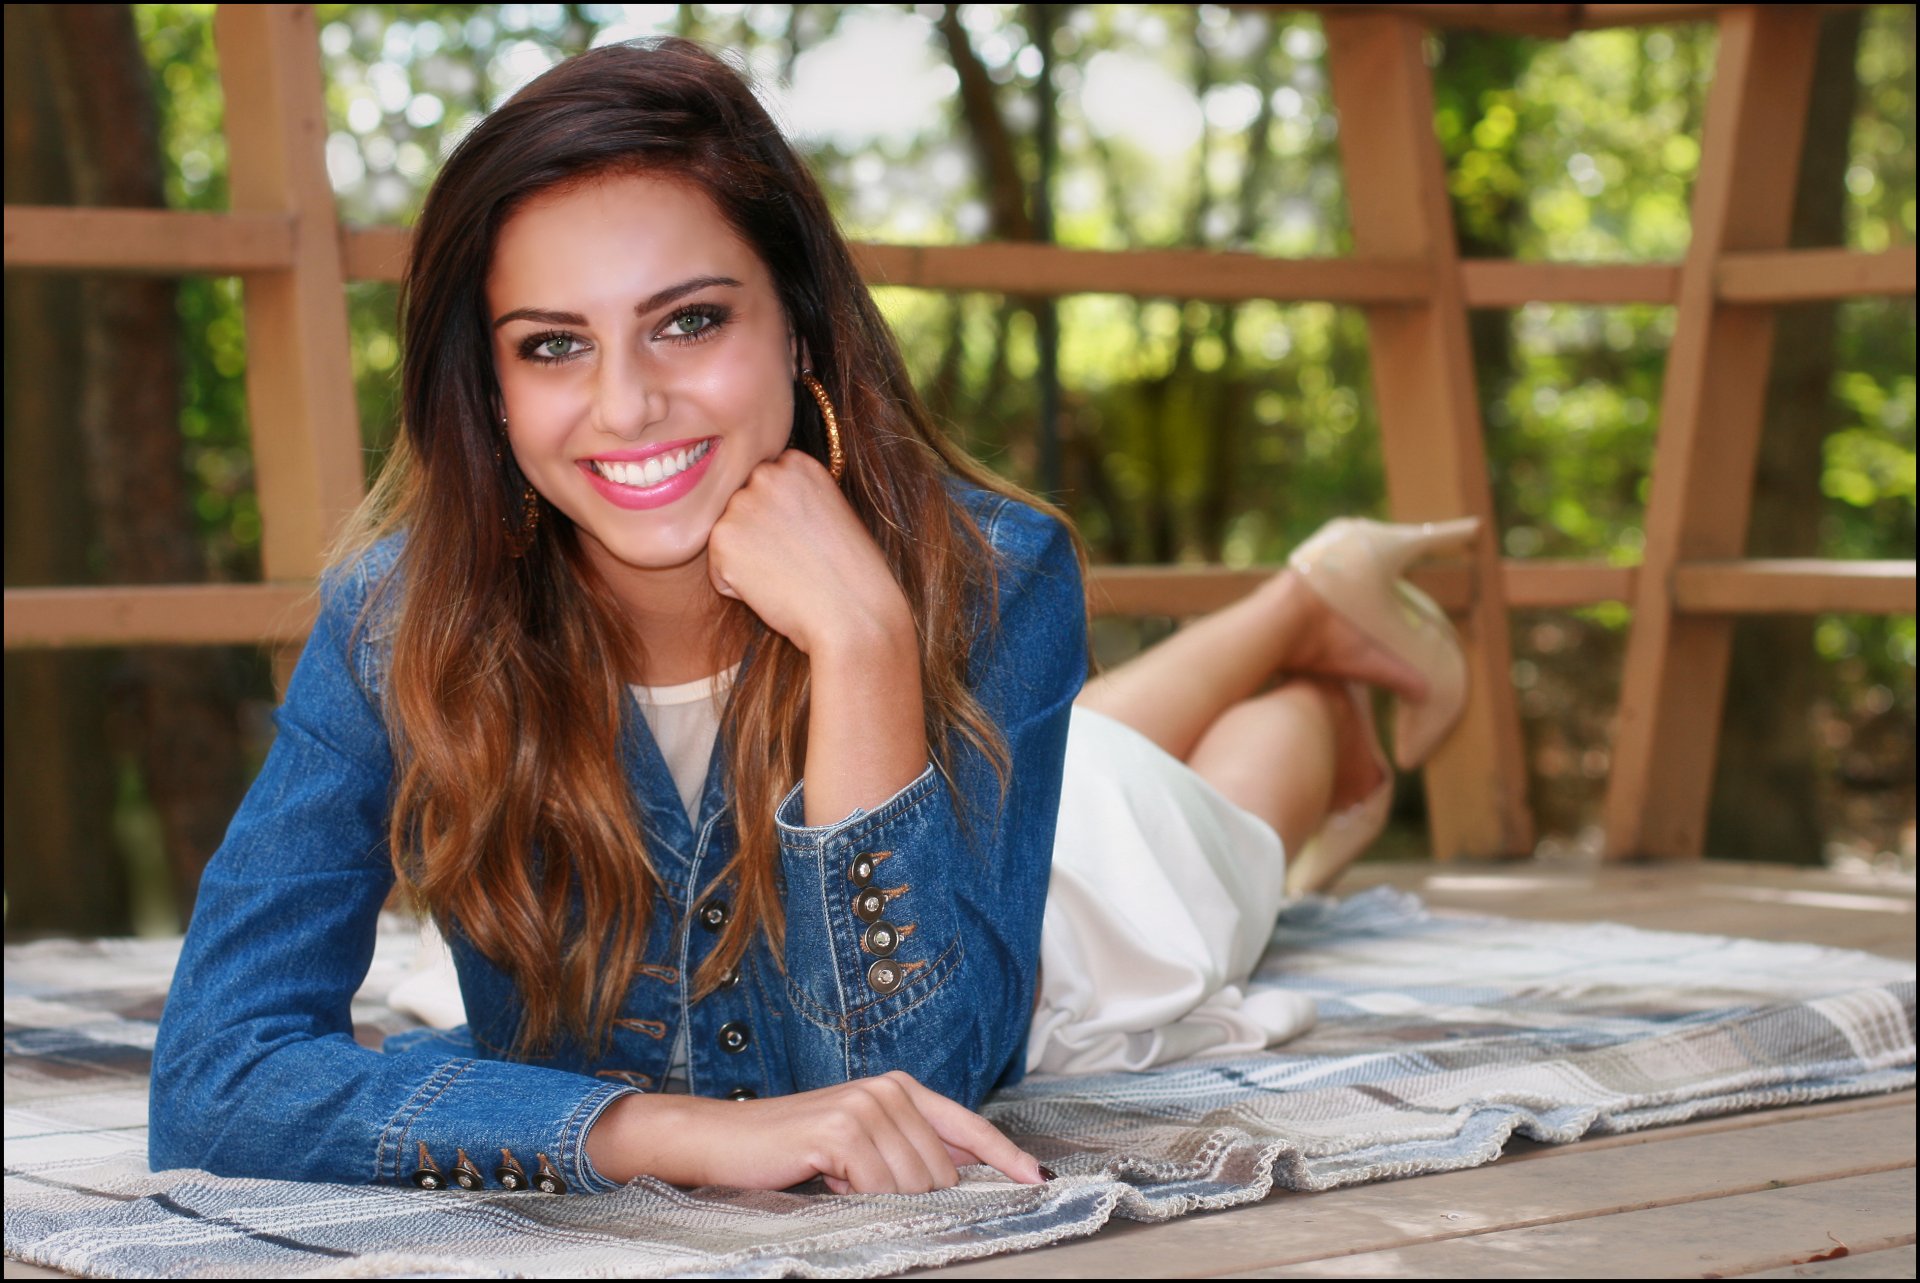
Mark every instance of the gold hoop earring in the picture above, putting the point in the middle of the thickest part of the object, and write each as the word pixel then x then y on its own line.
pixel 836 459
pixel 521 538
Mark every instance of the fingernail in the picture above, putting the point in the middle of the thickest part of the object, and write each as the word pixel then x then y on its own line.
pixel 1046 1173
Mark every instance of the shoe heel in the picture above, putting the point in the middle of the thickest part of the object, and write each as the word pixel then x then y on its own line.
pixel 1398 547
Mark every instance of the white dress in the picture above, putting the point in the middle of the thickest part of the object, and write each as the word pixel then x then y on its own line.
pixel 1162 898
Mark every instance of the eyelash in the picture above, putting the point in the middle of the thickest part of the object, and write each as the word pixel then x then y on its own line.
pixel 716 315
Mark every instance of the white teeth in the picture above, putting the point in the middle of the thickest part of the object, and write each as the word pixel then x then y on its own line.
pixel 653 471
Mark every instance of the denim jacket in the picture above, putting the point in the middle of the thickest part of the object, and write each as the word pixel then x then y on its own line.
pixel 257 1073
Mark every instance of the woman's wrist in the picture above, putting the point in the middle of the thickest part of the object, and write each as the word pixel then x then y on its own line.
pixel 867 722
pixel 643 1135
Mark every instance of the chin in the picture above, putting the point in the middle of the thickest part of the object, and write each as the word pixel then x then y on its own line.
pixel 654 550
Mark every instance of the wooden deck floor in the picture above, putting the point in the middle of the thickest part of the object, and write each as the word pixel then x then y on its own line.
pixel 1818 1191
pixel 1765 1194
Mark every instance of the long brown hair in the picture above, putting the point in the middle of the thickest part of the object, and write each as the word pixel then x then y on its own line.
pixel 508 674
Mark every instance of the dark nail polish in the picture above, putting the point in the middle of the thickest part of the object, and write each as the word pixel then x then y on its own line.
pixel 1046 1173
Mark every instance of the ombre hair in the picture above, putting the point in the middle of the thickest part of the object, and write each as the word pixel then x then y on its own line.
pixel 508 674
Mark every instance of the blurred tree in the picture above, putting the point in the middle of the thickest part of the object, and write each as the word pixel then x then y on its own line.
pixel 173 710
pixel 63 873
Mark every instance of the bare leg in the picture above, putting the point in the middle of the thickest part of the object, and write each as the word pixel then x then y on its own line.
pixel 1173 692
pixel 1274 755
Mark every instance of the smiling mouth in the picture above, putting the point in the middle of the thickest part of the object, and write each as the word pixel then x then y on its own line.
pixel 653 471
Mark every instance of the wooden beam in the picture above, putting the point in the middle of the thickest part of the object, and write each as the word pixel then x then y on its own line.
pixel 1710 413
pixel 1429 408
pixel 374 253
pixel 164 242
pixel 1804 275
pixel 1594 17
pixel 1016 268
pixel 1550 20
pixel 1792 586
pixel 276 614
pixel 304 419
pixel 1565 585
pixel 170 615
pixel 1497 283
pixel 1005 267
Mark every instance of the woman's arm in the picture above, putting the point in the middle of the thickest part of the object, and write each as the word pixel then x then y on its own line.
pixel 256 1071
pixel 935 976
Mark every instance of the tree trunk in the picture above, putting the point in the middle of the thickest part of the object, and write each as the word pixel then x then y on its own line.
pixel 177 708
pixel 63 872
pixel 1765 806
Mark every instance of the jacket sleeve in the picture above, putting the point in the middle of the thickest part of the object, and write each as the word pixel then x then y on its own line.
pixel 913 929
pixel 256 1071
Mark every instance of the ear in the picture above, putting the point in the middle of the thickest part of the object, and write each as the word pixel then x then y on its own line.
pixel 797 353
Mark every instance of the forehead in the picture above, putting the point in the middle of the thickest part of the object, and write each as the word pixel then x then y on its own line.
pixel 615 238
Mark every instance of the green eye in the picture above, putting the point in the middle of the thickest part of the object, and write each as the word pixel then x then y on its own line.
pixel 689 323
pixel 555 346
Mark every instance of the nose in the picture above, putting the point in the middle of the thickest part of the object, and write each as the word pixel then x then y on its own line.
pixel 628 397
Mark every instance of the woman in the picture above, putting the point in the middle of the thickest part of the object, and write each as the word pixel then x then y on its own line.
pixel 659 440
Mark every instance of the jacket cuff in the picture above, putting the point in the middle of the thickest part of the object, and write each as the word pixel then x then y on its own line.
pixel 872 924
pixel 462 1108
pixel 798 837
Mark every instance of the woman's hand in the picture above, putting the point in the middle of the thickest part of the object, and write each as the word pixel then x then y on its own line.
pixel 884 1135
pixel 791 547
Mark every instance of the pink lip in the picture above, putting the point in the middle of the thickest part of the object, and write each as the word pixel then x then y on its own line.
pixel 655 496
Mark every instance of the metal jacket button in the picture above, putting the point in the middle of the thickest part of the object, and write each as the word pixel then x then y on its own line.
pixel 713 914
pixel 743 1093
pixel 731 979
pixel 883 977
pixel 546 1180
pixel 510 1174
pixel 465 1174
pixel 881 939
pixel 860 872
pixel 734 1036
pixel 429 1175
pixel 868 905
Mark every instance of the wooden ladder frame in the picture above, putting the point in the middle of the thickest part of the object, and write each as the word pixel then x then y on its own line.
pixel 283 237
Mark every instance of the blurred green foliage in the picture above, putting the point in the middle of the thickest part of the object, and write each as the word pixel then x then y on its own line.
pixel 1191 431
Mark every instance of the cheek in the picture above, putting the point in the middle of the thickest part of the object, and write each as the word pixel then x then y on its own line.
pixel 752 406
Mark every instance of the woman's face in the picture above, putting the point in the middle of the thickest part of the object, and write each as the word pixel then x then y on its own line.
pixel 645 360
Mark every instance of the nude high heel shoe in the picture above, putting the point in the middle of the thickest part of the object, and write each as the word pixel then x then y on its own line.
pixel 1354 565
pixel 1346 834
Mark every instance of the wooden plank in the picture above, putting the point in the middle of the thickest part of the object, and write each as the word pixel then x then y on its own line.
pixel 1499 283
pixel 1894 1263
pixel 1596 16
pixel 304 419
pixel 1051 270
pixel 1429 409
pixel 243 613
pixel 303 415
pixel 1793 586
pixel 1711 406
pixel 1803 275
pixel 170 615
pixel 164 242
pixel 1714 1237
pixel 1558 585
pixel 1553 1185
pixel 1021 268
pixel 374 253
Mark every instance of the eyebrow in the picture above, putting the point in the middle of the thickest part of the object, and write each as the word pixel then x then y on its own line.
pixel 654 303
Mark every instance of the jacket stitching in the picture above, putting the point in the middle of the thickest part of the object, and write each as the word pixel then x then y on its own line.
pixel 450 1072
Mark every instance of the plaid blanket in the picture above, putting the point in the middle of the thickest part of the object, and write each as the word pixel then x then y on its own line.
pixel 1440 1037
